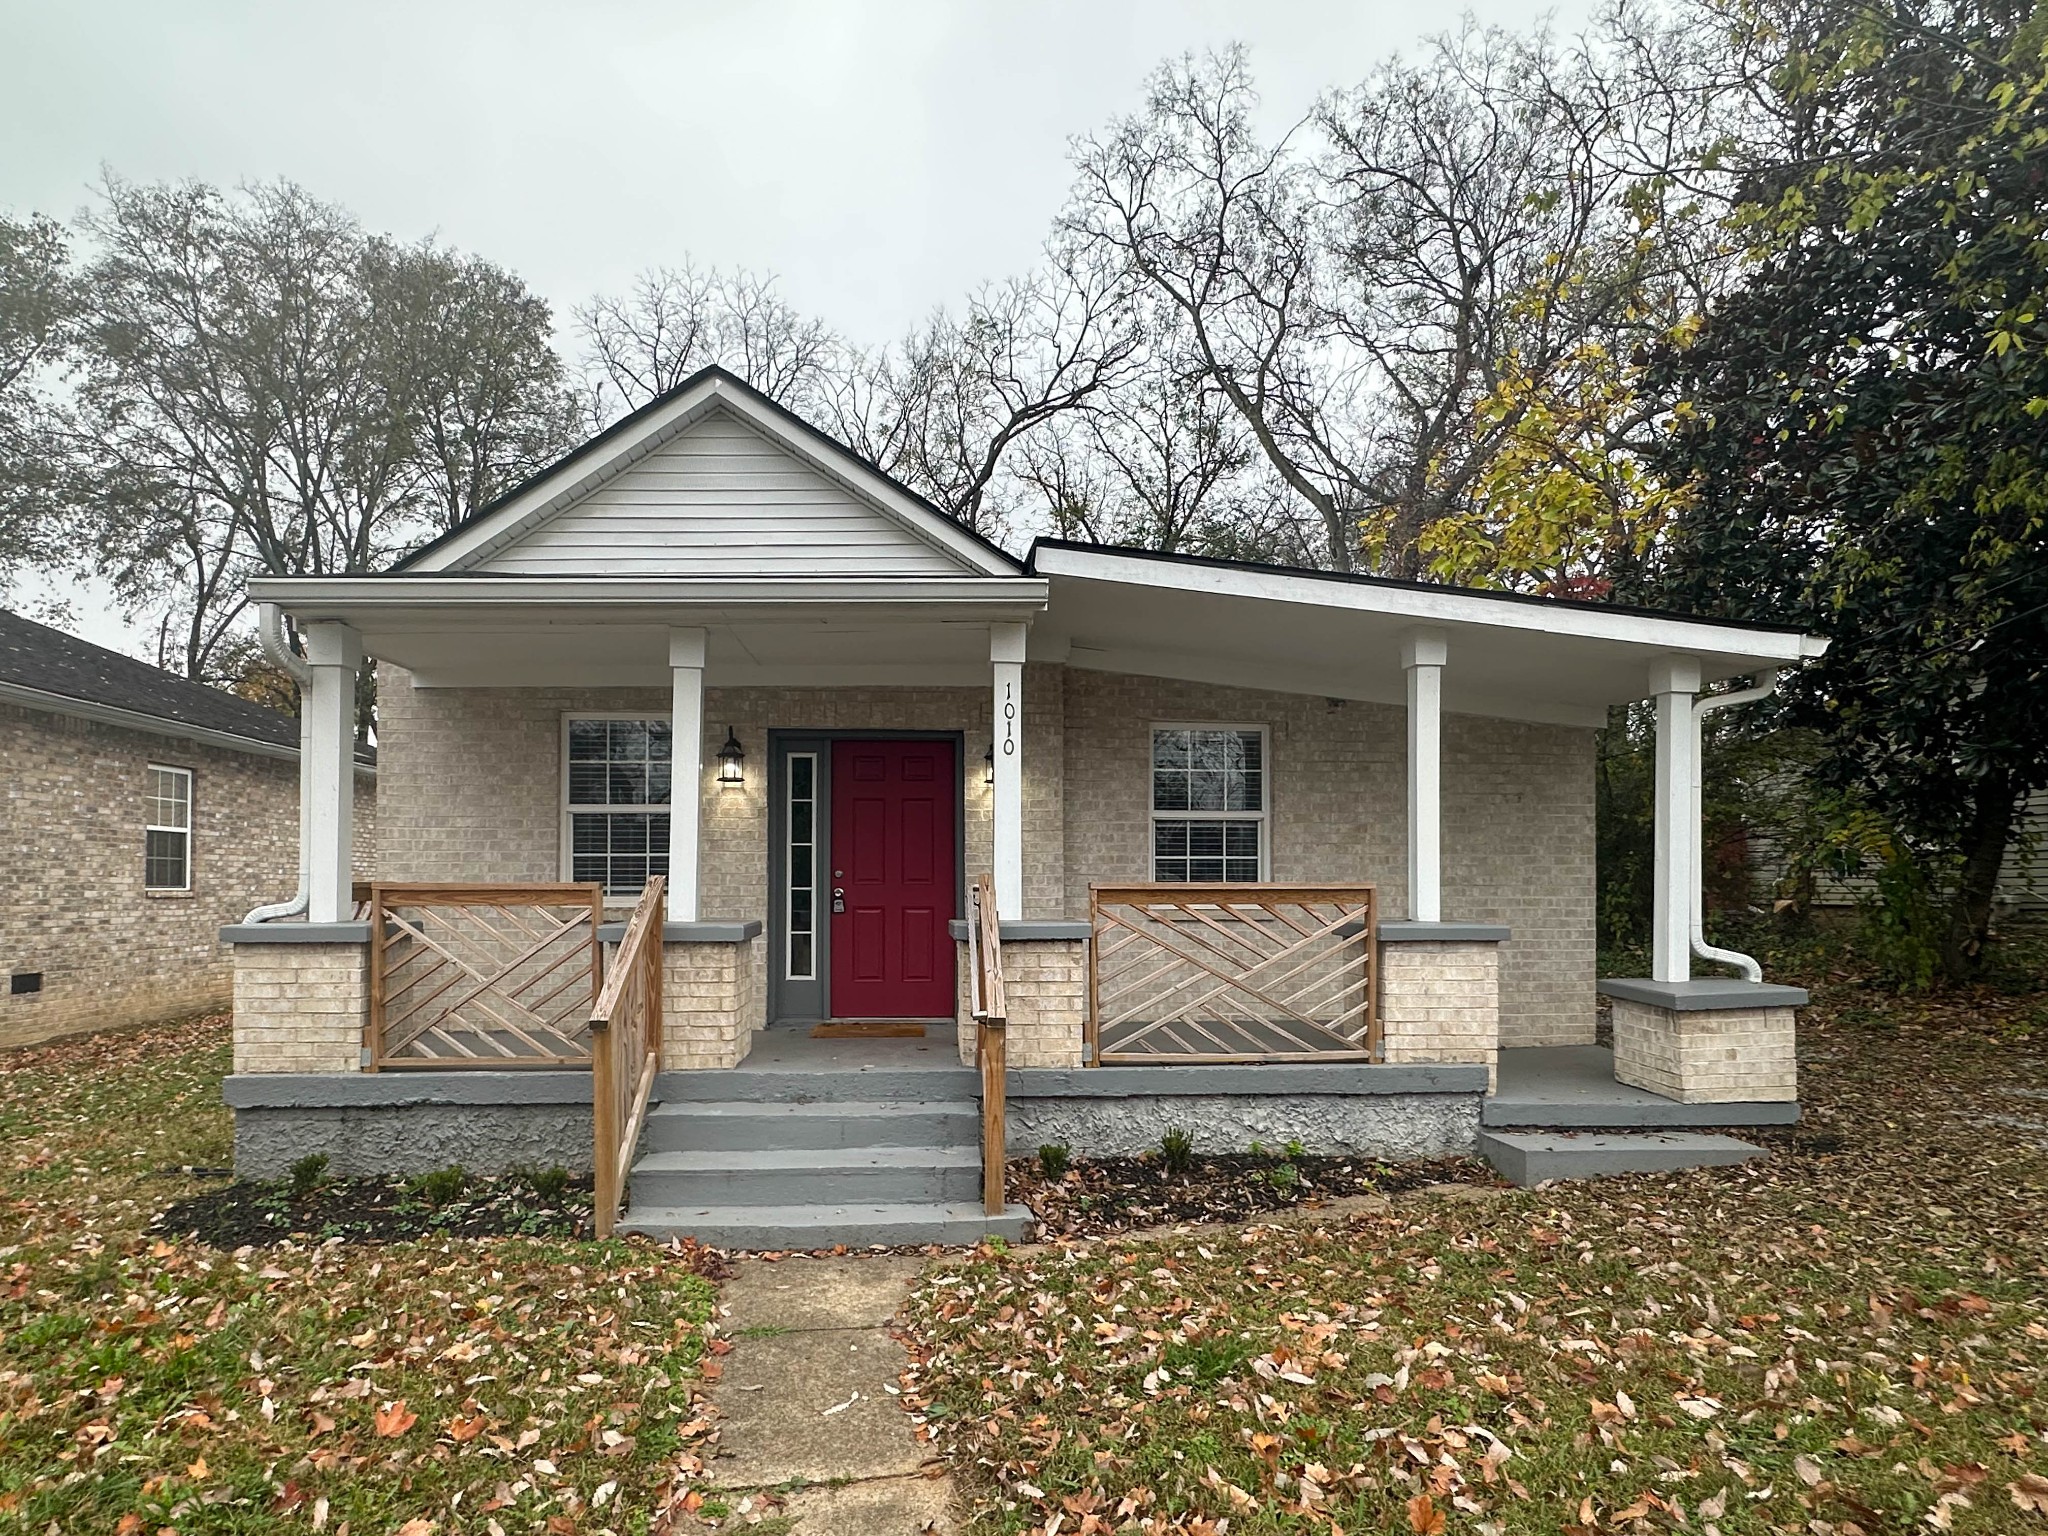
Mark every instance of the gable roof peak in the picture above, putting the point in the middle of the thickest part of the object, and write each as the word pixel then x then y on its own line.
pixel 581 474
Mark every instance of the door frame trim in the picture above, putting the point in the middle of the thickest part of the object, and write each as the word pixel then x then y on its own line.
pixel 782 1006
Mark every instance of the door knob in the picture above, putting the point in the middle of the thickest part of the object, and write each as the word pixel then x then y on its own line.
pixel 838 899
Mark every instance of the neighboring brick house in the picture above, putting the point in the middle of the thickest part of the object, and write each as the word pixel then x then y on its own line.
pixel 1323 841
pixel 139 812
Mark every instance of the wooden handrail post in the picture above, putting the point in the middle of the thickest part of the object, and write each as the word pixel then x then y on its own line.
pixel 991 1010
pixel 604 1108
pixel 625 1051
pixel 992 1051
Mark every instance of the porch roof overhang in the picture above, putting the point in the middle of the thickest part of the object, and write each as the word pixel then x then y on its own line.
pixel 1206 621
pixel 1294 631
pixel 490 631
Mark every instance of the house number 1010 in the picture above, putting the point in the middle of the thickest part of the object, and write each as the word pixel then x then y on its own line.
pixel 1009 720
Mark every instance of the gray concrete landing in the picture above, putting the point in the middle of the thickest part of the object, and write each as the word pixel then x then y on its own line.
pixel 1573 1086
pixel 807 1403
pixel 1536 1157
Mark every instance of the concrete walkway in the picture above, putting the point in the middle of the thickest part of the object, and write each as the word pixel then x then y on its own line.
pixel 808 1397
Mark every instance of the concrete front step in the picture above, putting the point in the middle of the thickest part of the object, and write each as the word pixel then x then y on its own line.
pixel 685 1126
pixel 1534 1157
pixel 824 1085
pixel 806 1176
pixel 809 1226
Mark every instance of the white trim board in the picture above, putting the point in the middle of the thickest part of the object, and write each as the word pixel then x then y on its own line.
pixel 1422 604
pixel 993 597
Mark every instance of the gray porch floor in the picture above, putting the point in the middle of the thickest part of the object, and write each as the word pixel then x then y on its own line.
pixel 1557 1086
pixel 790 1048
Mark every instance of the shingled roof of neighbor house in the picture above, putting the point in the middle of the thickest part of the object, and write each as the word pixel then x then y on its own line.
pixel 43 660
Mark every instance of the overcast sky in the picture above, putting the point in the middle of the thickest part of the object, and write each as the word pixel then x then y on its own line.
pixel 881 156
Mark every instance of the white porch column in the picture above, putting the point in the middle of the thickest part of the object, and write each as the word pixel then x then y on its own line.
pixel 1006 659
pixel 686 774
pixel 1423 653
pixel 1674 680
pixel 327 740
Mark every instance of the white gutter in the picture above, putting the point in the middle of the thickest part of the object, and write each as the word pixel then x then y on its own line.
pixel 1745 965
pixel 270 630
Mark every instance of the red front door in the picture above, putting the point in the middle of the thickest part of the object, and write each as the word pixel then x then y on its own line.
pixel 893 865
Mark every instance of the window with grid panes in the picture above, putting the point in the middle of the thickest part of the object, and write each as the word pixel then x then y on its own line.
pixel 618 800
pixel 1208 804
pixel 167 830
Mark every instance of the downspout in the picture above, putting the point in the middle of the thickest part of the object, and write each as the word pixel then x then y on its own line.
pixel 1744 965
pixel 270 631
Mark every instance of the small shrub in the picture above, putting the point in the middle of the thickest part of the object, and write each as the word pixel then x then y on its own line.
pixel 1054 1160
pixel 1177 1152
pixel 1296 1151
pixel 551 1184
pixel 308 1174
pixel 441 1186
pixel 1283 1176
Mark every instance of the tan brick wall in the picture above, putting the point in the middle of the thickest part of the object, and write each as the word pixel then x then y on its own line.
pixel 1441 1002
pixel 711 1005
pixel 1518 820
pixel 72 903
pixel 300 1007
pixel 473 776
pixel 1707 1056
pixel 1045 982
pixel 472 792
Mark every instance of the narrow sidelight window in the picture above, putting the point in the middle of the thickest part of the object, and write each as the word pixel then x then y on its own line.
pixel 1209 804
pixel 616 798
pixel 167 833
pixel 801 912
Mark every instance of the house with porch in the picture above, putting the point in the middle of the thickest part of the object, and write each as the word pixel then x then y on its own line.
pixel 755 835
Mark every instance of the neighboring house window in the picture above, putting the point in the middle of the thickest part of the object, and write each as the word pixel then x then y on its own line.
pixel 616 810
pixel 167 839
pixel 1208 803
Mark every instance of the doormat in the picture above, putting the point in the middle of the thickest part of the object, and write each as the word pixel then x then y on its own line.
pixel 867 1031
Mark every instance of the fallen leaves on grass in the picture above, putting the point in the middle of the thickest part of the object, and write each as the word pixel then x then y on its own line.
pixel 1843 1340
pixel 454 1387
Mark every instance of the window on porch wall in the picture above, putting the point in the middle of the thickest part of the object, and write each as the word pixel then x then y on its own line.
pixel 1208 804
pixel 616 791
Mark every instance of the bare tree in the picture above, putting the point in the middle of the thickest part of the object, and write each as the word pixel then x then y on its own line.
pixel 949 408
pixel 1163 462
pixel 38 309
pixel 1224 231
pixel 264 387
pixel 467 345
pixel 1377 293
pixel 677 320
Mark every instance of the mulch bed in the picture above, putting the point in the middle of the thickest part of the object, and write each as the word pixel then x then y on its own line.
pixel 384 1209
pixel 1099 1196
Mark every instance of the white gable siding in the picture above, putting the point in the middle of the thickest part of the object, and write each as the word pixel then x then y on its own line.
pixel 721 500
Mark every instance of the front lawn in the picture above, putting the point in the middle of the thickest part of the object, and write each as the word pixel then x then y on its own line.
pixel 438 1386
pixel 1851 1337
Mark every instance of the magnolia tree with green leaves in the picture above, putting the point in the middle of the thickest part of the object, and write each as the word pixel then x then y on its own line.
pixel 1864 435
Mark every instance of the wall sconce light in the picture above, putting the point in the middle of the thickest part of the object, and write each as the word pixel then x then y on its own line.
pixel 732 760
pixel 988 764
